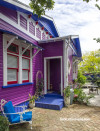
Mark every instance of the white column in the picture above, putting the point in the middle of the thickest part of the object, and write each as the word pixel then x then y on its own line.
pixel 45 77
pixel 31 66
pixel 64 60
pixel 4 61
pixel 20 64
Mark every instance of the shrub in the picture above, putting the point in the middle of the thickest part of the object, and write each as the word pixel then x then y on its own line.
pixel 67 91
pixel 4 124
pixel 81 78
pixel 81 97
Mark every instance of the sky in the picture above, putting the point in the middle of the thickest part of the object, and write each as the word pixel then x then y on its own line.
pixel 75 17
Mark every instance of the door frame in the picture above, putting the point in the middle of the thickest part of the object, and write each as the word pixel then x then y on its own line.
pixel 45 73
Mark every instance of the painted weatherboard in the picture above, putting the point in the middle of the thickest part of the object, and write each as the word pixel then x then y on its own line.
pixel 9 13
pixel 37 65
pixel 16 94
pixel 38 33
pixel 31 28
pixel 23 22
pixel 5 26
pixel 55 74
pixel 53 49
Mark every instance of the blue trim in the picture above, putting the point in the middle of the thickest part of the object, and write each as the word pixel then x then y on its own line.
pixel 48 24
pixel 14 85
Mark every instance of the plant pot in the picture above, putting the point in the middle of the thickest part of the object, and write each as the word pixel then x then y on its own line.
pixel 67 101
pixel 31 105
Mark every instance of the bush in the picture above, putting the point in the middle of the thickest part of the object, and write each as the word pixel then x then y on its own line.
pixel 81 78
pixel 81 97
pixel 4 124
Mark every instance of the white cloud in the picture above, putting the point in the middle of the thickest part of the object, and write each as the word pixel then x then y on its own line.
pixel 79 18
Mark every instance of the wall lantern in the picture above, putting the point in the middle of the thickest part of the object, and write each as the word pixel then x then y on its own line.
pixel 46 32
pixel 50 36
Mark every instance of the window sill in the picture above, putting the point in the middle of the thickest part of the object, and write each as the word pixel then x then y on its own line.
pixel 14 85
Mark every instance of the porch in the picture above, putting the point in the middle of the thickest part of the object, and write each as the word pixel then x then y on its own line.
pixel 52 101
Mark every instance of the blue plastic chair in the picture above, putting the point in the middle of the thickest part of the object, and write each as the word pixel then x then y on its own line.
pixel 13 117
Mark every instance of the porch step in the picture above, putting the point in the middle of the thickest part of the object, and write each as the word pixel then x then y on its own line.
pixel 50 101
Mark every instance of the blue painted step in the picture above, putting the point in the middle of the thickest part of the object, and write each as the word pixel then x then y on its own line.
pixel 50 101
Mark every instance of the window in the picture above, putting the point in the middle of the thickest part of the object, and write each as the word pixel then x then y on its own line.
pixel 25 66
pixel 13 48
pixel 12 64
pixel 26 53
pixel 17 67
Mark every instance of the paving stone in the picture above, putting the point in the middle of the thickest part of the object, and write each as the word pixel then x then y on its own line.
pixel 50 120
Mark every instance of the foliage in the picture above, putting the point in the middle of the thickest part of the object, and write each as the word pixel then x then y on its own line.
pixel 4 124
pixel 81 97
pixel 32 98
pixel 91 62
pixel 40 6
pixel 81 78
pixel 67 91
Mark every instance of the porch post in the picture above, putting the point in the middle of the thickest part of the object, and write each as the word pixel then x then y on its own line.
pixel 45 77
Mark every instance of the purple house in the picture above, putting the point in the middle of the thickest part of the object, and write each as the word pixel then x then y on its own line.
pixel 29 45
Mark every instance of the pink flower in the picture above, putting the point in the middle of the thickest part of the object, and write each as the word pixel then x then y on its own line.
pixel 75 96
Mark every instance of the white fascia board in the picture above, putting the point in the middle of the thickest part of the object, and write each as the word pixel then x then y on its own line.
pixel 58 38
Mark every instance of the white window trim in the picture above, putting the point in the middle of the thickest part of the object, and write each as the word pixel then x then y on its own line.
pixel 5 39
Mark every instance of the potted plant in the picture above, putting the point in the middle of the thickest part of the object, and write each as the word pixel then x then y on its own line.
pixel 67 96
pixel 32 101
pixel 4 124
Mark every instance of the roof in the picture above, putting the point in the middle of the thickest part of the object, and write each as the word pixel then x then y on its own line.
pixel 44 21
pixel 74 38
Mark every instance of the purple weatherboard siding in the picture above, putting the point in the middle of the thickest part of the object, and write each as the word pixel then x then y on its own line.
pixel 23 22
pixel 43 36
pixel 5 26
pixel 38 33
pixel 53 49
pixel 9 13
pixel 37 65
pixel 17 94
pixel 55 74
pixel 31 28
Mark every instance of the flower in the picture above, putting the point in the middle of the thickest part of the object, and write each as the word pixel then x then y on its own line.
pixel 75 96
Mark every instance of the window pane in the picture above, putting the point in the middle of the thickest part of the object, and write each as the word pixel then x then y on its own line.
pixel 25 63
pixel 25 75
pixel 26 53
pixel 11 75
pixel 11 61
pixel 13 48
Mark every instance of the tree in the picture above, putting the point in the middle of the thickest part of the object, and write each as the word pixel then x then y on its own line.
pixel 95 4
pixel 40 6
pixel 91 62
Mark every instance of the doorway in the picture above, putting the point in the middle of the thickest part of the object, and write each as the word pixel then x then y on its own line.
pixel 53 75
